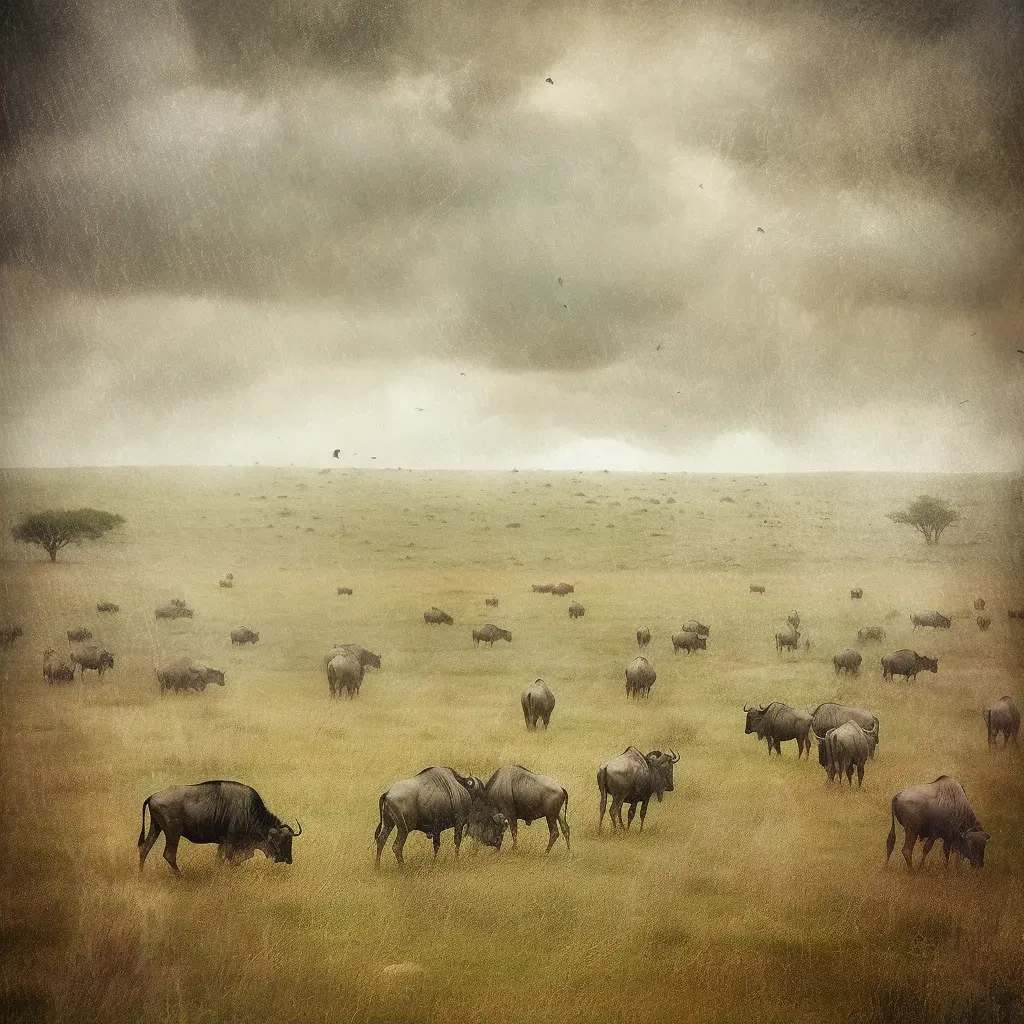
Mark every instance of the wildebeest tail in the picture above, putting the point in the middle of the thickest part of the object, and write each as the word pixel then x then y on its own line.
pixel 380 818
pixel 890 843
pixel 528 707
pixel 142 833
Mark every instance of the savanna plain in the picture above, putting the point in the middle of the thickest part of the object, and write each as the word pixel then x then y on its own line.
pixel 756 892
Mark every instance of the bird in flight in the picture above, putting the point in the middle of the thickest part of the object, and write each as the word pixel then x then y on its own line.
pixel 549 81
pixel 657 348
pixel 337 451
pixel 700 186
pixel 419 409
pixel 559 280
pixel 761 230
pixel 462 373
pixel 564 306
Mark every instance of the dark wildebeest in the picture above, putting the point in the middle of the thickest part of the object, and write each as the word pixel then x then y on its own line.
pixel 489 633
pixel 436 617
pixel 522 795
pixel 92 657
pixel 561 589
pixel 366 658
pixel 186 674
pixel 643 637
pixel 685 640
pixel 229 814
pixel 8 634
pixel 937 810
pixel 1003 717
pixel 856 593
pixel 576 610
pixel 436 800
pixel 344 590
pixel 640 677
pixel 870 633
pixel 933 619
pixel 693 626
pixel 174 610
pixel 543 588
pixel 538 703
pixel 107 606
pixel 243 635
pixel 793 619
pixel 227 582
pixel 907 664
pixel 979 604
pixel 984 622
pixel 847 746
pixel 491 602
pixel 56 669
pixel 787 641
pixel 847 661
pixel 1015 613
pixel 345 672
pixel 77 636
pixel 756 589
pixel 778 722
pixel 828 716
pixel 632 778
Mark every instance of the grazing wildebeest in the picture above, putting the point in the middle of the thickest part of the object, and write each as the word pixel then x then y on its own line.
pixel 632 778
pixel 828 716
pixel 77 636
pixel 984 622
pixel 522 795
pixel 640 677
pixel 847 661
pixel 366 658
pixel 937 810
pixel 693 626
pixel 685 640
pixel 243 635
pixel 8 634
pixel 230 814
pixel 856 593
pixel 561 589
pixel 92 657
pixel 643 637
pixel 186 674
pixel 489 633
pixel 756 589
pixel 576 610
pixel 107 606
pixel 1015 613
pixel 228 581
pixel 56 669
pixel 436 800
pixel 538 702
pixel 979 604
pixel 793 619
pixel 543 588
pixel 344 590
pixel 436 617
pixel 787 641
pixel 491 602
pixel 1003 717
pixel 345 672
pixel 870 633
pixel 847 746
pixel 174 610
pixel 933 619
pixel 778 722
pixel 907 664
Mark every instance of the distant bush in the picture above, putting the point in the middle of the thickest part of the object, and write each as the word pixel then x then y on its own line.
pixel 57 528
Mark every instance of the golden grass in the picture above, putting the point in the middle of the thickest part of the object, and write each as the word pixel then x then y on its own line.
pixel 755 892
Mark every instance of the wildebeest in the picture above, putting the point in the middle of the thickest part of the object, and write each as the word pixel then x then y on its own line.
pixel 693 626
pixel 827 716
pixel 107 606
pixel 345 591
pixel 366 658
pixel 543 588
pixel 186 674
pixel 227 582
pixel 640 677
pixel 489 633
pixel 1003 717
pixel 688 641
pixel 8 634
pixel 345 672
pixel 561 589
pixel 522 795
pixel 92 657
pixel 576 610
pixel 174 610
pixel 907 664
pixel 793 619
pixel 979 604
pixel 436 800
pixel 787 641
pixel 243 635
pixel 77 636
pixel 870 633
pixel 436 617
pixel 643 637
pixel 984 622
pixel 847 746
pixel 1012 613
pixel 538 702
pixel 847 661
pixel 937 810
pixel 933 619
pixel 230 814
pixel 756 588
pixel 56 669
pixel 856 593
pixel 491 602
pixel 632 778
pixel 776 723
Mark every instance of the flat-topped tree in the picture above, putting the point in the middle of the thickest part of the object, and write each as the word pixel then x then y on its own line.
pixel 929 515
pixel 57 528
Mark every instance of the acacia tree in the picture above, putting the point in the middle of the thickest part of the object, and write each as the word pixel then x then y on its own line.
pixel 58 528
pixel 929 515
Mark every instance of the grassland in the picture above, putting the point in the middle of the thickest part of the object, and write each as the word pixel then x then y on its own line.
pixel 756 893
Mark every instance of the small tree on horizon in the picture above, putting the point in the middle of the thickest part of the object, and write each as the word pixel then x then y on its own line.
pixel 928 515
pixel 57 528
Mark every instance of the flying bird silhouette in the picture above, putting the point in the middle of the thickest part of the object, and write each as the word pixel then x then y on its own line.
pixel 419 408
pixel 462 374
pixel 761 230
pixel 336 452
pixel 700 186
pixel 559 280
pixel 564 306
pixel 657 348
pixel 549 81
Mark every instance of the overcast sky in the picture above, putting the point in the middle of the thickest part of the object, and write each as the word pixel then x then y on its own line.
pixel 258 230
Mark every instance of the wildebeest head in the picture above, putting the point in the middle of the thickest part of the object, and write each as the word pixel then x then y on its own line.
pixel 661 771
pixel 971 844
pixel 929 664
pixel 486 825
pixel 754 716
pixel 214 675
pixel 106 659
pixel 278 846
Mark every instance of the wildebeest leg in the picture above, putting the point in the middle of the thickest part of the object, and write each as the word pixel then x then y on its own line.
pixel 382 837
pixel 860 774
pixel 926 849
pixel 513 829
pixel 171 850
pixel 909 840
pixel 849 773
pixel 458 839
pixel 563 824
pixel 643 814
pixel 631 815
pixel 399 845
pixel 547 719
pixel 436 838
pixel 778 748
pixel 616 813
pixel 147 844
pixel 600 817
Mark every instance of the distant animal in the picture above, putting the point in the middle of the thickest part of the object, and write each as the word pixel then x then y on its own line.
pixel 543 588
pixel 984 622
pixel 979 604
pixel 538 702
pixel 519 794
pixel 174 610
pixel 640 677
pixel 847 661
pixel 56 669
pixel 345 672
pixel 344 590
pixel 829 716
pixel 685 640
pixel 756 589
pixel 434 801
pixel 933 619
pixel 8 634
pixel 561 589
pixel 230 814
pixel 491 602
pixel 907 664
pixel 787 641
pixel 107 606
pixel 366 658
pixel 1003 717
pixel 436 617
pixel 551 82
pixel 775 723
pixel 489 633
pixel 870 633
pixel 1015 613
pixel 243 635
pixel 693 626
pixel 336 452
pixel 228 581
pixel 186 674
pixel 856 594
pixel 846 747
pixel 633 778
pixel 937 810
pixel 643 637
pixel 178 602
pixel 92 657
pixel 576 610
pixel 77 636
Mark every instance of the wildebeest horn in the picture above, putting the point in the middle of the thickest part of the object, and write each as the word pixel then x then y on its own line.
pixel 293 832
pixel 673 756
pixel 745 708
